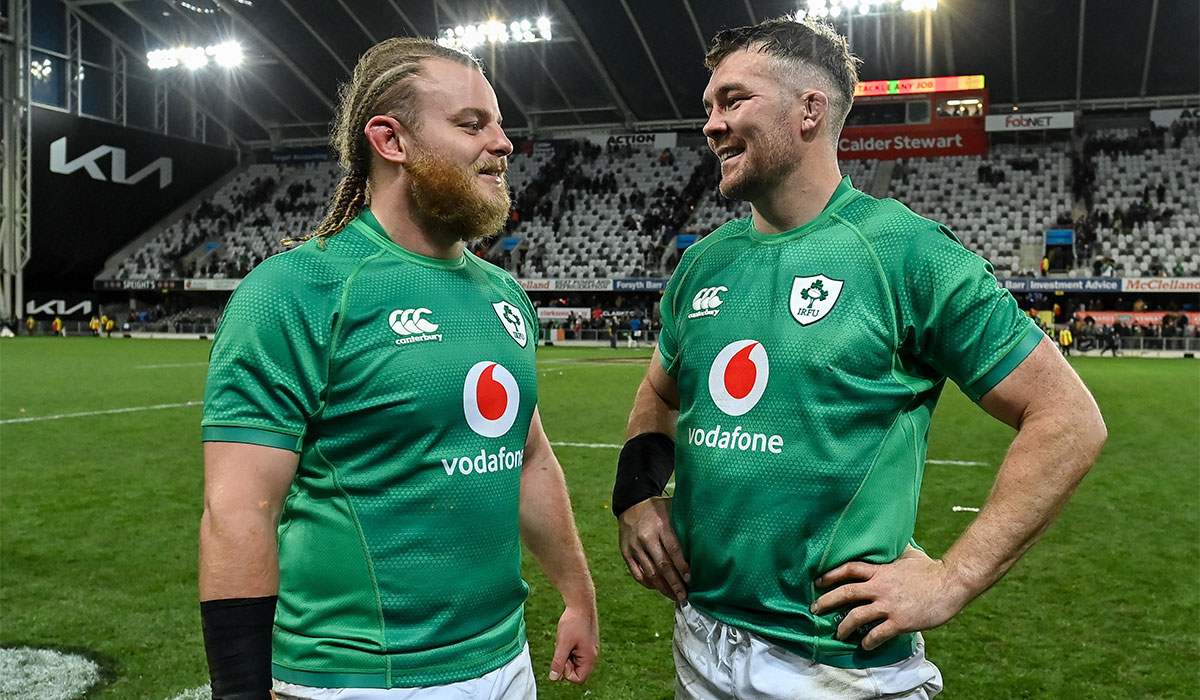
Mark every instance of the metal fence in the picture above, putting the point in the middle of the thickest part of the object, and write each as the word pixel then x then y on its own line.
pixel 1136 344
pixel 1132 345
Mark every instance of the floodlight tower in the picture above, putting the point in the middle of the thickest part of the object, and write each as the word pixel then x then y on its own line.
pixel 849 10
pixel 14 214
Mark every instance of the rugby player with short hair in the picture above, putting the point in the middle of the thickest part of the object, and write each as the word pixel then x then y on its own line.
pixel 373 451
pixel 802 353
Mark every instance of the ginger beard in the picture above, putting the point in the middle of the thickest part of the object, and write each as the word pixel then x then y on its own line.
pixel 447 198
pixel 772 159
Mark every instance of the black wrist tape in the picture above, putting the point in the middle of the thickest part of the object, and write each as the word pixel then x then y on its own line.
pixel 237 640
pixel 643 470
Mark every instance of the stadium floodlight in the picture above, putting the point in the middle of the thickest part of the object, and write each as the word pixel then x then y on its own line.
pixel 193 57
pixel 41 70
pixel 838 8
pixel 227 55
pixel 197 9
pixel 496 32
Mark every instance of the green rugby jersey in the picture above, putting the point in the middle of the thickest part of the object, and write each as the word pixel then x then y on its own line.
pixel 809 363
pixel 406 384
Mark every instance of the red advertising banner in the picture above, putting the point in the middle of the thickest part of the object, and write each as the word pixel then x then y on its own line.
pixel 1142 318
pixel 910 86
pixel 917 141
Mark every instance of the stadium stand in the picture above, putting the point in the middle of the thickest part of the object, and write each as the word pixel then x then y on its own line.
pixel 586 211
pixel 611 212
pixel 1143 199
pixel 993 203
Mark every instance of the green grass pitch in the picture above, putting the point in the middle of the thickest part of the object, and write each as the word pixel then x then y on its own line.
pixel 99 514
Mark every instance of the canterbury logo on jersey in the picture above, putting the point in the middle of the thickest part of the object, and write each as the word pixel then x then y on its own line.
pixel 412 324
pixel 706 301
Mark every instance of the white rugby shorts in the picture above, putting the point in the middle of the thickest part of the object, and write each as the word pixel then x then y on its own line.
pixel 716 661
pixel 512 681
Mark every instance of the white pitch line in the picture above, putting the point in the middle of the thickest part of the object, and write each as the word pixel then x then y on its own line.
pixel 34 419
pixel 587 444
pixel 180 364
pixel 964 509
pixel 955 461
pixel 202 692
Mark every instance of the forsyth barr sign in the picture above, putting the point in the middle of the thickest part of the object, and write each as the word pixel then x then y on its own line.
pixel 88 162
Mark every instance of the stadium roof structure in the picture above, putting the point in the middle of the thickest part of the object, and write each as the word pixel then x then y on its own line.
pixel 638 63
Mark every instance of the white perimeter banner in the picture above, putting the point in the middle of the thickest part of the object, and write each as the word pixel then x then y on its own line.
pixel 655 141
pixel 562 313
pixel 211 285
pixel 1161 284
pixel 1018 121
pixel 1164 117
pixel 566 284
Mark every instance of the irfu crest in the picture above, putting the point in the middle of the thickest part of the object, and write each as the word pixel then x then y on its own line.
pixel 813 298
pixel 512 320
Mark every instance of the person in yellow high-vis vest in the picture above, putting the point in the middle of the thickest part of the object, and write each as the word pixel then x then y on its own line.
pixel 1065 340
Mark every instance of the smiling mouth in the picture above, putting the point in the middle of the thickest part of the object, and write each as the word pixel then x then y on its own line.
pixel 730 155
pixel 495 169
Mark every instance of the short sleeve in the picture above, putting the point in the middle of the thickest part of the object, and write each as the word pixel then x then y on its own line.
pixel 269 362
pixel 963 323
pixel 668 338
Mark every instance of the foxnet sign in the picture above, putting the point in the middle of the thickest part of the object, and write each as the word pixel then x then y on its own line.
pixel 1029 122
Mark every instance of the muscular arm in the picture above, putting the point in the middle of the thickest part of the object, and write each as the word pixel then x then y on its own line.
pixel 548 529
pixel 1059 435
pixel 648 542
pixel 656 406
pixel 244 490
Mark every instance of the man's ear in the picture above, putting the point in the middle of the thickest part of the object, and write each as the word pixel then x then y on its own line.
pixel 388 138
pixel 814 106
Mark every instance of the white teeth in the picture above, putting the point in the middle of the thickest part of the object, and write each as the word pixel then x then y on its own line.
pixel 729 154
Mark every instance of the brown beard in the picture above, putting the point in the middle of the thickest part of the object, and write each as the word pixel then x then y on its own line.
pixel 448 202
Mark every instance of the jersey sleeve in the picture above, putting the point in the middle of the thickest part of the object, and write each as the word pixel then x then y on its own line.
pixel 269 362
pixel 668 335
pixel 961 321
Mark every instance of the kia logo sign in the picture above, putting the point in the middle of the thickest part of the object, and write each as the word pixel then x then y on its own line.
pixel 88 162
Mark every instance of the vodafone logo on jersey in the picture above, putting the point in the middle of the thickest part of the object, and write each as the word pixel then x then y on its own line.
pixel 491 399
pixel 739 376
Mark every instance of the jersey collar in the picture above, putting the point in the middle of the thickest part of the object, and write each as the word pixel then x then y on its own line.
pixel 841 197
pixel 366 224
